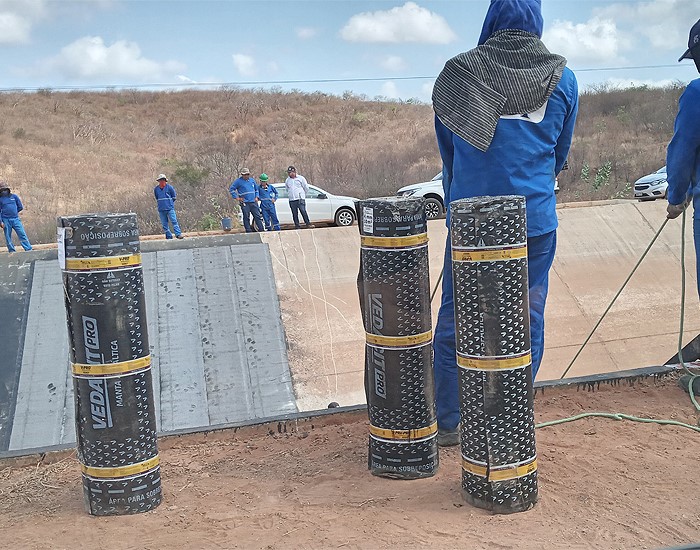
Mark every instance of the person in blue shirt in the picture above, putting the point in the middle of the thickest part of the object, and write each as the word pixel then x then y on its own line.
pixel 268 195
pixel 10 207
pixel 504 119
pixel 683 154
pixel 245 190
pixel 165 198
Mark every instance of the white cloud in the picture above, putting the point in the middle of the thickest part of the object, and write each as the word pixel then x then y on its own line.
pixel 664 24
pixel 306 32
pixel 244 64
pixel 389 90
pixel 595 41
pixel 407 23
pixel 18 18
pixel 622 83
pixel 90 58
pixel 393 63
pixel 426 91
pixel 14 29
pixel 186 79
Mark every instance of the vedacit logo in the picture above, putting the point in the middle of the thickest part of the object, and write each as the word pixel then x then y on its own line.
pixel 376 319
pixel 91 339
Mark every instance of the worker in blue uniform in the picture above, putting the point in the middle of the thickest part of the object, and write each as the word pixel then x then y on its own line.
pixel 268 196
pixel 504 119
pixel 683 165
pixel 245 190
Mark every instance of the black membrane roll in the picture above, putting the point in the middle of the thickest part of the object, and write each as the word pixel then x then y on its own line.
pixel 489 273
pixel 394 287
pixel 110 362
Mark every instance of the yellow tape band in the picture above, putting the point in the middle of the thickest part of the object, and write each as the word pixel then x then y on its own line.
pixel 399 341
pixel 476 469
pixel 494 364
pixel 499 475
pixel 489 255
pixel 105 262
pixel 394 242
pixel 403 435
pixel 121 471
pixel 123 367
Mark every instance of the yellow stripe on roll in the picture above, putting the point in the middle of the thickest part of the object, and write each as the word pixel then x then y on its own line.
pixel 105 262
pixel 504 474
pixel 399 341
pixel 476 469
pixel 513 473
pixel 394 242
pixel 121 471
pixel 489 255
pixel 403 435
pixel 123 367
pixel 494 364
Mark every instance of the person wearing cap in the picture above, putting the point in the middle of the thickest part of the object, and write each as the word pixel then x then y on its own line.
pixel 297 187
pixel 267 194
pixel 683 154
pixel 165 199
pixel 505 110
pixel 245 190
pixel 10 207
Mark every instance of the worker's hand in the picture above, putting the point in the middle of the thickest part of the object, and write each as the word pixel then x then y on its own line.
pixel 240 199
pixel 675 210
pixel 2 225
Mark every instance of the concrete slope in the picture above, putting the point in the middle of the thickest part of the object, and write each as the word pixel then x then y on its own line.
pixel 215 333
pixel 598 246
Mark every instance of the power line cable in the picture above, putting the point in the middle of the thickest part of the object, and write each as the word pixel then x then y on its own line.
pixel 247 83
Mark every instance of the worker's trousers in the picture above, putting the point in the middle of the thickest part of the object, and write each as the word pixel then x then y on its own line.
pixel 540 255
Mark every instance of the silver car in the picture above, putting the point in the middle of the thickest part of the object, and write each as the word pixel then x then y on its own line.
pixel 652 186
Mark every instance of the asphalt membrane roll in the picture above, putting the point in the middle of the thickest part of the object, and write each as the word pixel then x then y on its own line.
pixel 497 426
pixel 394 289
pixel 110 359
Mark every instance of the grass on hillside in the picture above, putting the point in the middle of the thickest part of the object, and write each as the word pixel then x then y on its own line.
pixel 76 152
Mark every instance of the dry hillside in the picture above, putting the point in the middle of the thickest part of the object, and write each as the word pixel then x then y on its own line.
pixel 76 152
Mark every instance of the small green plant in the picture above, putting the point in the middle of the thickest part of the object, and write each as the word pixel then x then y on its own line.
pixel 585 172
pixel 602 175
pixel 208 222
pixel 624 192
pixel 19 133
pixel 221 211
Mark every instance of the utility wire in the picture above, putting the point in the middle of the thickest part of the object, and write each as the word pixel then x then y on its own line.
pixel 245 83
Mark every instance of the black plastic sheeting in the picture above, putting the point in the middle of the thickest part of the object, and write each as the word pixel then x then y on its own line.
pixel 110 357
pixel 394 288
pixel 489 258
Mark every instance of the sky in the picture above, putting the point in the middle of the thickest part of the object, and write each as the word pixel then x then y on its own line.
pixel 383 48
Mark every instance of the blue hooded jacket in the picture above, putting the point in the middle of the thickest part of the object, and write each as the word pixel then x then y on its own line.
pixel 528 150
pixel 683 155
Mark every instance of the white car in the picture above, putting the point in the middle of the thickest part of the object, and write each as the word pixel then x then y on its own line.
pixel 435 195
pixel 321 206
pixel 651 187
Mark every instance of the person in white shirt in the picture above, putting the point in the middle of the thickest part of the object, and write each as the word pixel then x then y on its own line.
pixel 297 189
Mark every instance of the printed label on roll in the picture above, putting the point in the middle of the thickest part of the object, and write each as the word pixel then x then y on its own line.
pixel 61 239
pixel 368 220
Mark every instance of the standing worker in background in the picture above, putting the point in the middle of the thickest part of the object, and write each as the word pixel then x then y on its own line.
pixel 683 156
pixel 245 191
pixel 268 195
pixel 297 189
pixel 505 114
pixel 10 207
pixel 165 198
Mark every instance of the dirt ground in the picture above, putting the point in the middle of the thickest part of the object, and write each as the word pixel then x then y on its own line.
pixel 603 484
